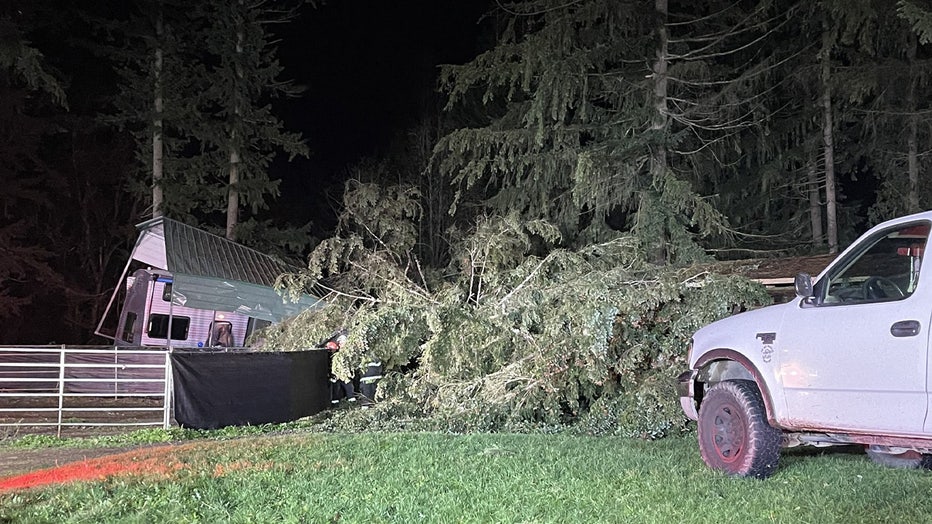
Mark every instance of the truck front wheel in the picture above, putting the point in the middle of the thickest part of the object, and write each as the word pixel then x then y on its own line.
pixel 734 435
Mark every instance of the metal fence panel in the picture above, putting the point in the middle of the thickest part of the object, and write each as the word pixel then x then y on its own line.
pixel 84 386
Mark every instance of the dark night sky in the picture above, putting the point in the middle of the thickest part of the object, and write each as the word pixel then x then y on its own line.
pixel 370 69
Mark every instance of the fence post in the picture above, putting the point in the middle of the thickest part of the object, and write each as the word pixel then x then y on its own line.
pixel 116 373
pixel 167 399
pixel 61 387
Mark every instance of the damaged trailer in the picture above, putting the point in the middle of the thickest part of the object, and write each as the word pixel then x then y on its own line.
pixel 185 288
pixel 191 291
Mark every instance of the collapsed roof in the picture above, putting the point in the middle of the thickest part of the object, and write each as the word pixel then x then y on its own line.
pixel 211 272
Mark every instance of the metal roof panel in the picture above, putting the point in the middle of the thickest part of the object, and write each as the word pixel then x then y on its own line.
pixel 211 272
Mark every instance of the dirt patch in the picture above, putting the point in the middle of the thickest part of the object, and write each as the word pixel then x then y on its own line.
pixel 88 417
pixel 23 469
pixel 20 416
pixel 18 461
pixel 159 461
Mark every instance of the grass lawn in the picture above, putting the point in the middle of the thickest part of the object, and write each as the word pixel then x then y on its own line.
pixel 424 477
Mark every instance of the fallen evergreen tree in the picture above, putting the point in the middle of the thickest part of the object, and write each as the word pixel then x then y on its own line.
pixel 514 334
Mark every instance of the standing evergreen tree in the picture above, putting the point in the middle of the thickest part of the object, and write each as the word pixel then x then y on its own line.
pixel 28 91
pixel 867 79
pixel 240 134
pixel 61 175
pixel 811 148
pixel 156 61
pixel 894 109
pixel 196 92
pixel 605 112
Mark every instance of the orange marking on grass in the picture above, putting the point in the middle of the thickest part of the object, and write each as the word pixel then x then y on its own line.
pixel 159 462
pixel 151 462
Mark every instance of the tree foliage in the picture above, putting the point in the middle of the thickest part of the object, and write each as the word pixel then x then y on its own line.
pixel 896 74
pixel 919 15
pixel 199 84
pixel 60 195
pixel 532 264
pixel 239 133
pixel 155 56
pixel 27 88
pixel 607 116
pixel 511 334
pixel 22 62
pixel 615 135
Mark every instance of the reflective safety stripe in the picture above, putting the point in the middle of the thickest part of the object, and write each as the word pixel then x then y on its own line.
pixel 366 380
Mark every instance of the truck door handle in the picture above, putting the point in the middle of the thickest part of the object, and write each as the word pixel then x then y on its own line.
pixel 905 328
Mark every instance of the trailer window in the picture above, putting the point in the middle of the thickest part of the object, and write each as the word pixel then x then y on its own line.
pixel 221 334
pixel 167 292
pixel 255 324
pixel 128 326
pixel 158 327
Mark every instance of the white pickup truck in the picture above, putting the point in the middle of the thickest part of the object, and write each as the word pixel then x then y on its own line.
pixel 845 362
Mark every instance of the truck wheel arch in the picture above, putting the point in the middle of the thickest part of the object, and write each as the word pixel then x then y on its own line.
pixel 718 365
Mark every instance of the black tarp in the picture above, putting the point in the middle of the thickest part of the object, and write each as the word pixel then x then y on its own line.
pixel 214 389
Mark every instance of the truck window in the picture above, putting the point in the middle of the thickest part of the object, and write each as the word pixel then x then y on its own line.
pixel 886 269
pixel 158 327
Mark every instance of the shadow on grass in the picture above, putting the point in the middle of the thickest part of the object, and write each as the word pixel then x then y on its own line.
pixel 800 455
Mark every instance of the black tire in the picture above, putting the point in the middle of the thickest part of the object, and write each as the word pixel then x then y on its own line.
pixel 734 435
pixel 907 460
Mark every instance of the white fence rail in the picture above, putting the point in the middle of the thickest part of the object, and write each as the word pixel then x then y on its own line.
pixel 84 386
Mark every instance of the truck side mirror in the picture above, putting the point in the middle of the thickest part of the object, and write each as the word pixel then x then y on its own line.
pixel 803 285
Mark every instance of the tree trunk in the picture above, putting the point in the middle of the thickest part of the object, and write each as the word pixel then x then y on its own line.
pixel 157 147
pixel 828 142
pixel 658 160
pixel 815 203
pixel 233 194
pixel 912 141
pixel 912 198
pixel 659 121
pixel 235 157
pixel 435 188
